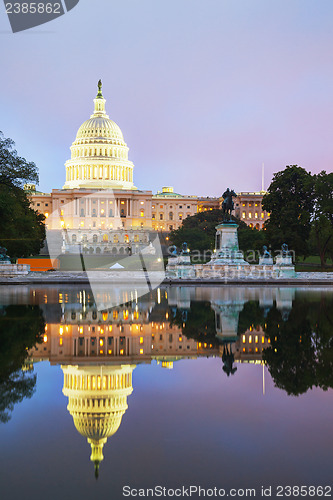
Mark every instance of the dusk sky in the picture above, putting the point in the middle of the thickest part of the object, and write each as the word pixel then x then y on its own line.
pixel 204 91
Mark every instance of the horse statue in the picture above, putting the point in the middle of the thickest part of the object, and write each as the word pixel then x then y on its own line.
pixel 228 204
pixel 228 361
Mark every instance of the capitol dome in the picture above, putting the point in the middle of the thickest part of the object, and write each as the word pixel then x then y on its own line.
pixel 97 401
pixel 99 154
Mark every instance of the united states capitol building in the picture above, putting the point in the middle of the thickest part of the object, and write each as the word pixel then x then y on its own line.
pixel 100 207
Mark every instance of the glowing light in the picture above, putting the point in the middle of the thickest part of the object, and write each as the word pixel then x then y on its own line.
pixel 45 338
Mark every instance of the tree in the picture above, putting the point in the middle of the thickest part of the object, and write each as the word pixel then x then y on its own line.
pixel 199 232
pixel 300 355
pixel 14 170
pixel 22 230
pixel 21 327
pixel 290 202
pixel 321 236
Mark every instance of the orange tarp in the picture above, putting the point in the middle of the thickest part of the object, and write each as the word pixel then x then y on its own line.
pixel 40 264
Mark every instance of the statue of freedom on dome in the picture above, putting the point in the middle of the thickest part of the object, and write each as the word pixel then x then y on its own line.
pixel 99 85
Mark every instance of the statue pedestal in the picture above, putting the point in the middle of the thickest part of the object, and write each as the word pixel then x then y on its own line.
pixel 284 267
pixel 8 269
pixel 180 267
pixel 265 261
pixel 226 245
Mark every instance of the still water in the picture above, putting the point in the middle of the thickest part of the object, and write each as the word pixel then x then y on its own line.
pixel 223 387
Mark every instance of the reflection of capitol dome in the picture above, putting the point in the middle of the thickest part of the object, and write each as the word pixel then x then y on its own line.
pixel 99 154
pixel 97 400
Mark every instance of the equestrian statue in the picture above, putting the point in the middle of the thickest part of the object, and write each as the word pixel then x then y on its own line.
pixel 228 204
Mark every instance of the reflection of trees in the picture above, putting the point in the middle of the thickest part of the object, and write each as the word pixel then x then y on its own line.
pixel 251 315
pixel 21 328
pixel 200 323
pixel 301 352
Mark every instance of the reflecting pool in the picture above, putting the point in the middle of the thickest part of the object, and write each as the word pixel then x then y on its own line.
pixel 225 387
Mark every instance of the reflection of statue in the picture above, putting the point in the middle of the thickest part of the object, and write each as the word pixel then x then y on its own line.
pixel 228 204
pixel 3 255
pixel 228 360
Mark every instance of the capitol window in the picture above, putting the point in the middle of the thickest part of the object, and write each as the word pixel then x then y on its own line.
pixel 153 216
pixel 180 216
pixel 256 215
pixel 250 215
pixel 243 215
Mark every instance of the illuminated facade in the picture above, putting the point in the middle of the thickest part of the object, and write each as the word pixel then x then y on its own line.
pixel 97 401
pixel 98 350
pixel 99 154
pixel 99 164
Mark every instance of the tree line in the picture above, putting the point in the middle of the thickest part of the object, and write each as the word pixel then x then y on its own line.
pixel 22 229
pixel 301 214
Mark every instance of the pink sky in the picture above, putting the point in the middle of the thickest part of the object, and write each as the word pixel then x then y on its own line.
pixel 204 92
